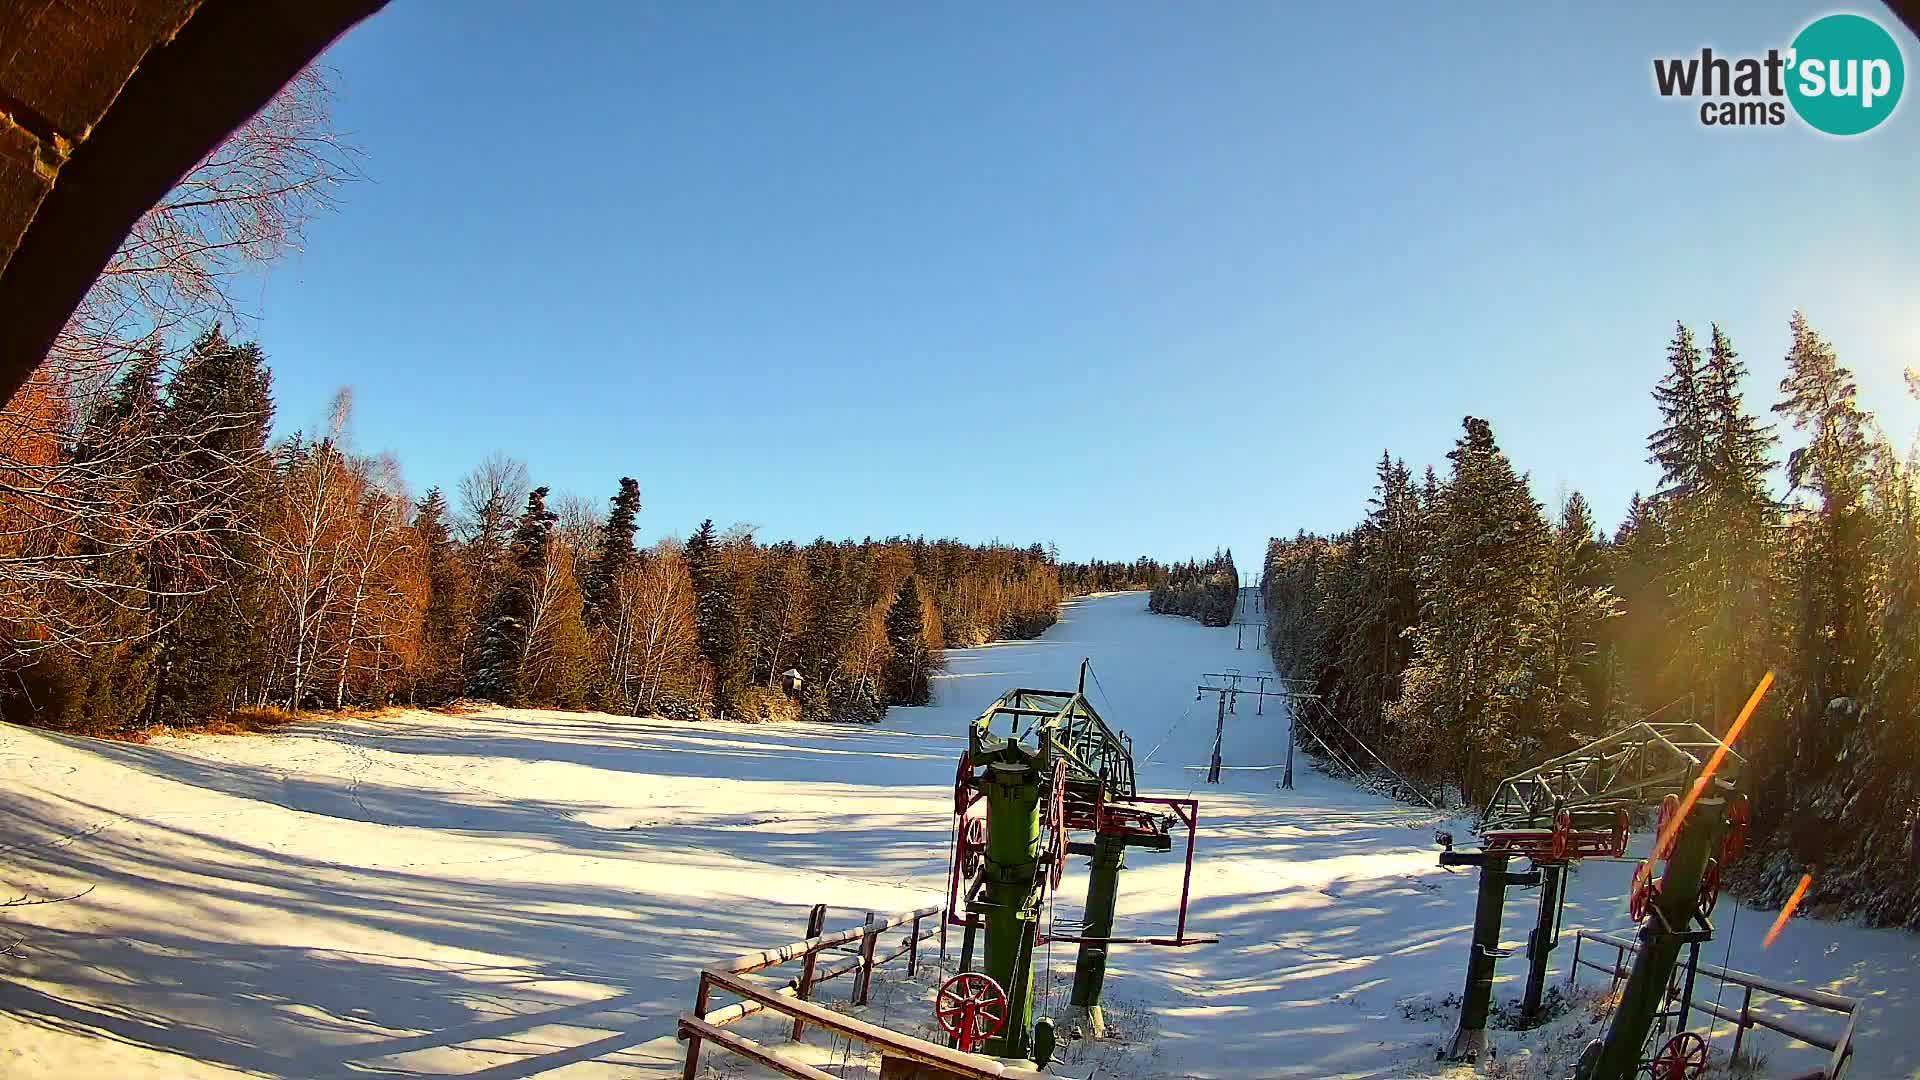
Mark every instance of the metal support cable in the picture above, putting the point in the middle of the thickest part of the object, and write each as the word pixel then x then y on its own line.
pixel 1376 757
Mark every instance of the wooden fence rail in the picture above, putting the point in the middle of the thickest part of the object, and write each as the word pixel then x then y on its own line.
pixel 793 998
pixel 694 1028
pixel 1839 1046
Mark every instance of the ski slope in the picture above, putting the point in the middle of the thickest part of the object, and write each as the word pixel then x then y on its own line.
pixel 522 893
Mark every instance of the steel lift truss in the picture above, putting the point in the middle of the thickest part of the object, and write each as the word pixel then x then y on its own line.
pixel 1581 805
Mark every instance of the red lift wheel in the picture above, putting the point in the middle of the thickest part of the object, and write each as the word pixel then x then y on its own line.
pixel 973 846
pixel 971 1008
pixel 1562 836
pixel 1058 830
pixel 962 780
pixel 1669 809
pixel 1640 896
pixel 1622 831
pixel 1683 1058
pixel 1709 887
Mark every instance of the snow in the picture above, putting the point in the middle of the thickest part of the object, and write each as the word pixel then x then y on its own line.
pixel 521 893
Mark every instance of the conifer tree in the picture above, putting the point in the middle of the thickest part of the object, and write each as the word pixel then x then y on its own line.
pixel 1635 644
pixel 1576 601
pixel 1739 516
pixel 1381 590
pixel 1833 545
pixel 448 602
pixel 616 554
pixel 109 688
pixel 503 648
pixel 907 670
pixel 832 619
pixel 1679 447
pixel 715 615
pixel 1470 678
pixel 209 643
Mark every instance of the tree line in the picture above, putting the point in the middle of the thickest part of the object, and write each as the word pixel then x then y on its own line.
pixel 1200 590
pixel 1467 635
pixel 164 561
pixel 303 576
pixel 1097 576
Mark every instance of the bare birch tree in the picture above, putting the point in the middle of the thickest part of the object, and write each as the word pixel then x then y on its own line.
pixel 304 551
pixel 73 519
pixel 655 628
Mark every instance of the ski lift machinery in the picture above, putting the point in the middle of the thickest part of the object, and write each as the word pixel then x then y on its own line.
pixel 1041 765
pixel 1578 806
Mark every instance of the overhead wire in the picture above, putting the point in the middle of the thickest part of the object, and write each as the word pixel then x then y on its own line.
pixel 1169 733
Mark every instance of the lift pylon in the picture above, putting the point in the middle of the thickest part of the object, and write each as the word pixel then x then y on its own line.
pixel 1045 764
pixel 1580 805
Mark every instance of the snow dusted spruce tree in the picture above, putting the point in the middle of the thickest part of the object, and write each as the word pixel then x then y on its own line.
pixel 908 669
pixel 1575 602
pixel 1205 591
pixel 1836 541
pixel 1474 668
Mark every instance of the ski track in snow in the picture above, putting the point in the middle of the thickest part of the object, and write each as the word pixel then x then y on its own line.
pixel 521 893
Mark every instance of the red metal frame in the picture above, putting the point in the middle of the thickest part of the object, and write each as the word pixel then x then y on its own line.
pixel 1099 816
pixel 1559 844
pixel 964 800
pixel 1188 813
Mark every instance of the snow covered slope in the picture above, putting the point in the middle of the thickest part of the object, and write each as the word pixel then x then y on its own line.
pixel 523 893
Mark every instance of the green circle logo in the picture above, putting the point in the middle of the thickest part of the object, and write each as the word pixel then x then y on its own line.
pixel 1847 74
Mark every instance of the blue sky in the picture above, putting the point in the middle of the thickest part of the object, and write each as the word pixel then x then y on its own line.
pixel 1132 277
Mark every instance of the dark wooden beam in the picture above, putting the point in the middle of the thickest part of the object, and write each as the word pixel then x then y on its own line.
pixel 183 97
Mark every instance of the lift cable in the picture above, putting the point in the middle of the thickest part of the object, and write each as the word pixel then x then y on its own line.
pixel 1170 730
pixel 1376 757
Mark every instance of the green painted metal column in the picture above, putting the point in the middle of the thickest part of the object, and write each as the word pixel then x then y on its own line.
pixel 1476 1001
pixel 1103 888
pixel 1009 895
pixel 1660 942
pixel 1546 938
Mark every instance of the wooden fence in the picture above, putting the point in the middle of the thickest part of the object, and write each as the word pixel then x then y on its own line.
pixel 706 1024
pixel 1839 1046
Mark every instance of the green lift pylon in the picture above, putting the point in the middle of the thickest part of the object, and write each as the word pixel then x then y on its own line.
pixel 1044 763
pixel 1009 899
pixel 1578 806
pixel 1676 913
pixel 1108 857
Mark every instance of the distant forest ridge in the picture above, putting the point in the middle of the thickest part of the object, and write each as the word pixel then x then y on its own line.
pixel 1201 590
